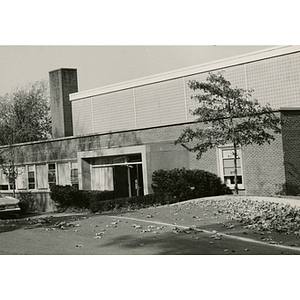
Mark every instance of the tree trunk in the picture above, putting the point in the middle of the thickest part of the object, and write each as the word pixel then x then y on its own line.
pixel 236 189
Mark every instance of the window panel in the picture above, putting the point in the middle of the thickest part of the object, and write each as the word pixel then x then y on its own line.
pixel 230 153
pixel 21 180
pixel 74 175
pixel 230 171
pixel 63 171
pixel 31 179
pixel 41 176
pixel 229 163
pixel 226 160
pixel 227 153
pixel 229 180
pixel 51 174
pixel 103 179
pixel 117 159
pixel 31 168
pixel 3 180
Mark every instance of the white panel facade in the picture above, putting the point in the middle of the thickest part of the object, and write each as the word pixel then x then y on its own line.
pixel 82 116
pixel 160 103
pixel 166 100
pixel 113 111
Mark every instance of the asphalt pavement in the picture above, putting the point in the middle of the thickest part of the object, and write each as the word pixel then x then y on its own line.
pixel 186 228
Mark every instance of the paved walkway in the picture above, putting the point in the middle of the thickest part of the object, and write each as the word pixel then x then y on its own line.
pixel 293 201
pixel 289 200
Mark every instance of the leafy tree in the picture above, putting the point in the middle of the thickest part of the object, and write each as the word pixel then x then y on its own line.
pixel 231 118
pixel 25 114
pixel 24 117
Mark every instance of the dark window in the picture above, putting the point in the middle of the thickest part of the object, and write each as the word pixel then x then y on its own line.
pixel 117 159
pixel 74 178
pixel 230 179
pixel 31 180
pixel 51 174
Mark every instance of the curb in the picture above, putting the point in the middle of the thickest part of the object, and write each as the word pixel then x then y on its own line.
pixel 290 201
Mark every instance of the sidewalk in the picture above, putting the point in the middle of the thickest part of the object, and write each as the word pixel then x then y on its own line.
pixel 293 201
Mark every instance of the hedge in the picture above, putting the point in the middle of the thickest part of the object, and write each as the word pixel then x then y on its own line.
pixel 181 184
pixel 27 201
pixel 128 203
pixel 169 187
pixel 98 201
pixel 67 196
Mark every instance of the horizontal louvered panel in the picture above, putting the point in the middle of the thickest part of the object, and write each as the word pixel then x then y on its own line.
pixel 236 76
pixel 160 103
pixel 82 116
pixel 276 80
pixel 114 111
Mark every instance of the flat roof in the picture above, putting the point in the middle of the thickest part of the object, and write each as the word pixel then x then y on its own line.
pixel 223 63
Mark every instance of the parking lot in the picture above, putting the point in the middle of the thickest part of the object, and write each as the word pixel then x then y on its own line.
pixel 185 228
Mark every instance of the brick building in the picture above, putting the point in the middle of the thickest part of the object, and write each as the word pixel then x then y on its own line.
pixel 114 137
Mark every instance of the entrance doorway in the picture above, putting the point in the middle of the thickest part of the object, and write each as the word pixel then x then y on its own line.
pixel 128 181
pixel 123 174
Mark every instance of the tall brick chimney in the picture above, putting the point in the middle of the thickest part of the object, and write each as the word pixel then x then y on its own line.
pixel 62 83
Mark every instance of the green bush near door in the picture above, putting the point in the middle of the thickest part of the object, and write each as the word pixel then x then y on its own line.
pixel 68 196
pixel 181 184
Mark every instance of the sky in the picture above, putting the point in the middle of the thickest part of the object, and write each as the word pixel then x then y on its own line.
pixel 114 41
pixel 101 65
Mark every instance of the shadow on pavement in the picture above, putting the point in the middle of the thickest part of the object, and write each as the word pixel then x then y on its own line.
pixel 168 243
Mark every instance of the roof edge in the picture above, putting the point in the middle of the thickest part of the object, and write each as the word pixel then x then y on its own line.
pixel 289 108
pixel 209 66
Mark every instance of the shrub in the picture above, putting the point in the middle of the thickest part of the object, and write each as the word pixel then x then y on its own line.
pixel 89 198
pixel 67 196
pixel 62 195
pixel 127 203
pixel 27 201
pixel 181 184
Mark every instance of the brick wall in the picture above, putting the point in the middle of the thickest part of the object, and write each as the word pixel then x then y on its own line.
pixel 264 172
pixel 291 148
pixel 264 168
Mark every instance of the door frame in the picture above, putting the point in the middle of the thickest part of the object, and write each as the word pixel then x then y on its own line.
pixel 84 156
